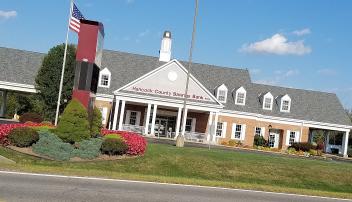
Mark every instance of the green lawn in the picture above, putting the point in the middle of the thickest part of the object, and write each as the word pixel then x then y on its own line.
pixel 165 163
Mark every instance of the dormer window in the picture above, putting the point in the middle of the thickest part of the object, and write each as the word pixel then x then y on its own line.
pixel 268 101
pixel 285 103
pixel 221 93
pixel 240 98
pixel 104 78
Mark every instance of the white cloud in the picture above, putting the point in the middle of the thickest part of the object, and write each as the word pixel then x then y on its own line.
pixel 7 14
pixel 277 44
pixel 144 33
pixel 278 76
pixel 255 71
pixel 327 72
pixel 301 32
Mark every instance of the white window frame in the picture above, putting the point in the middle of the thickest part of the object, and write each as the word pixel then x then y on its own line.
pixel 288 99
pixel 262 131
pixel 103 111
pixel 222 130
pixel 104 72
pixel 242 134
pixel 224 89
pixel 238 91
pixel 288 137
pixel 128 117
pixel 271 97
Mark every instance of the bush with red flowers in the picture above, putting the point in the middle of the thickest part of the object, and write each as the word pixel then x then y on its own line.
pixel 6 128
pixel 136 143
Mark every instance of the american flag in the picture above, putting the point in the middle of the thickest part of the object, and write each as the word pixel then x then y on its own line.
pixel 75 19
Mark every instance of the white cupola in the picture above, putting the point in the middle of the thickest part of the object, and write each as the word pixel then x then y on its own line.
pixel 165 49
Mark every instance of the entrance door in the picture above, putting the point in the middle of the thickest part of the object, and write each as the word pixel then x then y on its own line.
pixel 274 138
pixel 160 127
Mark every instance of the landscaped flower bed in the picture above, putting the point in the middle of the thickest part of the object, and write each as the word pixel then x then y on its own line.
pixel 6 128
pixel 136 143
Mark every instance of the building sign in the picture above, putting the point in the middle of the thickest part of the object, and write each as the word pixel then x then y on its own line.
pixel 169 93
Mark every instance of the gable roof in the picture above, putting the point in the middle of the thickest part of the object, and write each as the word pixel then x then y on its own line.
pixel 21 66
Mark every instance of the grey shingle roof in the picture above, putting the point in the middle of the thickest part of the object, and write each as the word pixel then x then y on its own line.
pixel 21 67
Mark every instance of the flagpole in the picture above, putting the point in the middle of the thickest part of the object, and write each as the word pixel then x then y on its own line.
pixel 184 117
pixel 63 66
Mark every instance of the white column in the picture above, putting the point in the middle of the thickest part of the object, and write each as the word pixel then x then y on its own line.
pixel 152 129
pixel 146 126
pixel 345 143
pixel 210 122
pixel 116 113
pixel 215 126
pixel 122 113
pixel 184 122
pixel 178 122
pixel 3 104
pixel 327 150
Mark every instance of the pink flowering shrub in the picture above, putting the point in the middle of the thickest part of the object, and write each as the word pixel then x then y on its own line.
pixel 6 128
pixel 136 143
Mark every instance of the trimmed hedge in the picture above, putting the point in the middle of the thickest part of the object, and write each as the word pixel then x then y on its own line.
pixel 88 149
pixel 96 123
pixel 113 146
pixel 73 126
pixel 136 143
pixel 23 137
pixel 32 117
pixel 303 146
pixel 52 146
pixel 349 152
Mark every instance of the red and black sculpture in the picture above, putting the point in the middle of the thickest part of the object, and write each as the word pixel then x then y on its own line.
pixel 88 62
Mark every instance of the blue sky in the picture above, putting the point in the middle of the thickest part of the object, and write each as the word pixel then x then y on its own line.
pixel 299 44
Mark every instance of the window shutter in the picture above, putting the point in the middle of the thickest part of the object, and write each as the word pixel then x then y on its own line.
pixel 138 118
pixel 243 131
pixel 193 124
pixel 297 136
pixel 104 114
pixel 262 132
pixel 223 132
pixel 288 137
pixel 128 114
pixel 233 131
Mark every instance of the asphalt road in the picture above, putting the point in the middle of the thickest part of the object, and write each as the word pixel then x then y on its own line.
pixel 29 187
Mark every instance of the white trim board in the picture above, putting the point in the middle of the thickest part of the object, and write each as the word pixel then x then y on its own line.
pixel 17 87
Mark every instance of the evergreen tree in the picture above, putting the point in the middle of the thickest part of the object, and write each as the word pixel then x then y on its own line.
pixel 96 123
pixel 48 78
pixel 73 125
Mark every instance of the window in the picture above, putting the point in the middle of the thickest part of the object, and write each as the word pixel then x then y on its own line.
pixel 222 96
pixel 238 131
pixel 268 101
pixel 292 137
pixel 258 131
pixel 104 78
pixel 240 96
pixel 104 81
pixel 133 118
pixel 188 125
pixel 335 138
pixel 221 93
pixel 219 129
pixel 285 103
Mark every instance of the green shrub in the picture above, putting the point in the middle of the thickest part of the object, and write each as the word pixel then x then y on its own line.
pixel 232 143
pixel 23 137
pixel 291 150
pixel 302 146
pixel 114 146
pixel 47 122
pixel 73 126
pixel 52 146
pixel 112 136
pixel 259 141
pixel 96 123
pixel 88 149
pixel 32 117
pixel 349 152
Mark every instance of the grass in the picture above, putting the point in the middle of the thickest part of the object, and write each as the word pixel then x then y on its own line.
pixel 165 163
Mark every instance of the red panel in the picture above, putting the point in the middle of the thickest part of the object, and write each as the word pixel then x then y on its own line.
pixel 87 42
pixel 82 96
